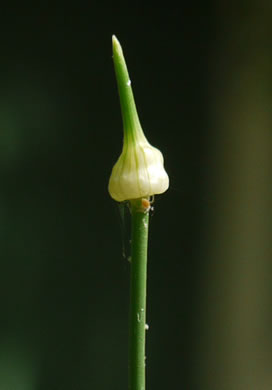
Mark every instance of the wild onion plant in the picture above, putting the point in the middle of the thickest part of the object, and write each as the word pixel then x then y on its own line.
pixel 136 177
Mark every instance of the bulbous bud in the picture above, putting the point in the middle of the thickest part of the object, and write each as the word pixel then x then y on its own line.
pixel 138 173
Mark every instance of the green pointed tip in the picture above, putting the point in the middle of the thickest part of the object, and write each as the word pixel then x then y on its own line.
pixel 129 113
pixel 116 47
pixel 114 40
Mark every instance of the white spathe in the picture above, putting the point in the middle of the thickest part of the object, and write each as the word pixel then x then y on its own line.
pixel 138 173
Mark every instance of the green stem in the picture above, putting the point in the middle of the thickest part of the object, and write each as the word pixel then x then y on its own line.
pixel 139 214
pixel 137 320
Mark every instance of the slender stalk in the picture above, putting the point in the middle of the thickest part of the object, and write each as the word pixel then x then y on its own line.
pixel 137 175
pixel 137 320
pixel 139 216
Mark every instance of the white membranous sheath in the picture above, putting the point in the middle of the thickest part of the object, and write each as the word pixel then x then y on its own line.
pixel 139 172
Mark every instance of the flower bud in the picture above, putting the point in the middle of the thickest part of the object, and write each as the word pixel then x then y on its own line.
pixel 139 171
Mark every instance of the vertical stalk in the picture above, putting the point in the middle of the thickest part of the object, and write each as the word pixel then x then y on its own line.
pixel 138 173
pixel 137 320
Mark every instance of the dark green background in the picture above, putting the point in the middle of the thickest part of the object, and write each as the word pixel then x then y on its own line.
pixel 64 285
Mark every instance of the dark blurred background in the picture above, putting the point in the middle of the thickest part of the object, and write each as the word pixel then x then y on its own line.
pixel 202 78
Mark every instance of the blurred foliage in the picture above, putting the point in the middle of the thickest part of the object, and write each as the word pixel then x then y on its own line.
pixel 206 69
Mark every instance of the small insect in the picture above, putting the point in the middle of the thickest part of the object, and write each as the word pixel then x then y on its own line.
pixel 147 204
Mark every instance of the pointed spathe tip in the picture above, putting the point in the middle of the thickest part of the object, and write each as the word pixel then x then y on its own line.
pixel 116 45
